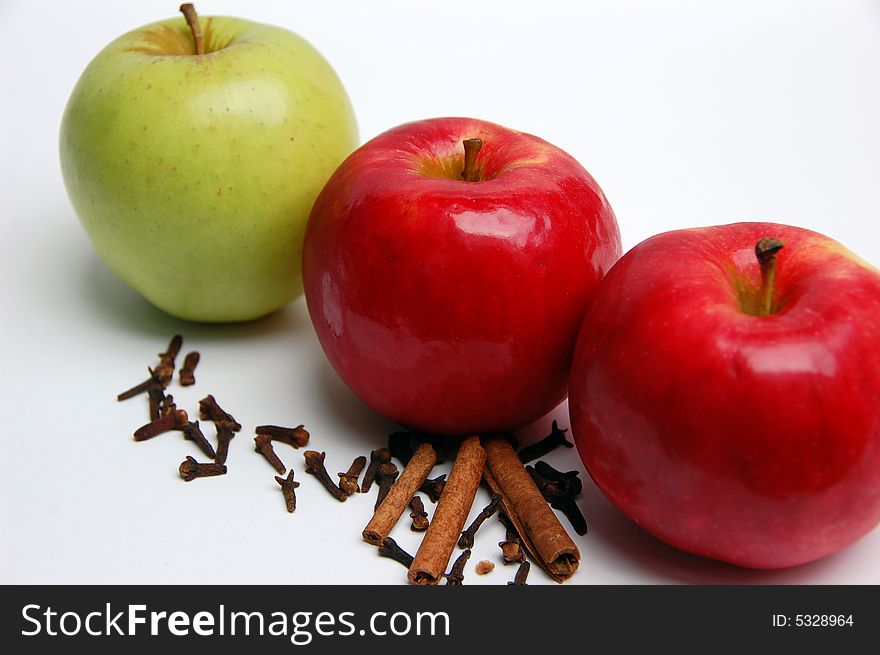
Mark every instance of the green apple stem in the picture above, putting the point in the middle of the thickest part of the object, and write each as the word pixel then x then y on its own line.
pixel 192 19
pixel 471 149
pixel 766 250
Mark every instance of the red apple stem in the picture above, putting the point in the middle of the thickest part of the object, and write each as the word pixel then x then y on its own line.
pixel 766 250
pixel 471 149
pixel 192 19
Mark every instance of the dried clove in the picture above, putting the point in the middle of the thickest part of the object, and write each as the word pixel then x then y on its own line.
pixel 156 397
pixel 315 466
pixel 550 442
pixel 377 458
pixel 263 445
pixel 296 437
pixel 165 368
pixel 511 547
pixel 160 375
pixel 391 550
pixel 187 371
pixel 433 487
pixel 456 574
pixel 225 434
pixel 570 479
pixel 137 389
pixel 172 421
pixel 385 477
pixel 348 481
pixel 190 469
pixel 193 432
pixel 560 489
pixel 418 515
pixel 519 579
pixel 399 445
pixel 467 536
pixel 211 411
pixel 167 404
pixel 288 485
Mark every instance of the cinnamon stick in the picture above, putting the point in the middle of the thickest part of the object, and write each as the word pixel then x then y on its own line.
pixel 543 536
pixel 452 511
pixel 392 507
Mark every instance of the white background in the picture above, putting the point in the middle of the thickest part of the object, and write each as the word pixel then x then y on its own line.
pixel 687 113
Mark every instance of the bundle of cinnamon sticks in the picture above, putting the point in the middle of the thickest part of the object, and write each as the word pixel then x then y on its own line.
pixel 524 508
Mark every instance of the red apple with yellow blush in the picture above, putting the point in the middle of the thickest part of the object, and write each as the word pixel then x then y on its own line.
pixel 725 392
pixel 447 289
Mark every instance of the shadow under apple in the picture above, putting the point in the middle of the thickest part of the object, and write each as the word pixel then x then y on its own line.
pixel 116 304
pixel 364 428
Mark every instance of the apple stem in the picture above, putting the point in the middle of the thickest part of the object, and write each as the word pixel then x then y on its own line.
pixel 766 250
pixel 471 149
pixel 192 19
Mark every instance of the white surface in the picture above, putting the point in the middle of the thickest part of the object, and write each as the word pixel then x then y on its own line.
pixel 687 113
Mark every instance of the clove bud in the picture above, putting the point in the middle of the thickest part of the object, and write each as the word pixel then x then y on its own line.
pixel 288 485
pixel 348 481
pixel 547 444
pixel 418 515
pixel 211 411
pixel 172 421
pixel 315 466
pixel 296 437
pixel 190 469
pixel 263 445
pixel 377 458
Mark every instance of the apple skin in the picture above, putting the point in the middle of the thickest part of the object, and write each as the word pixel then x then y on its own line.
pixel 194 175
pixel 754 440
pixel 448 306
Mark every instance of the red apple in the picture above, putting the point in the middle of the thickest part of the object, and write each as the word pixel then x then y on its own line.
pixel 452 305
pixel 752 439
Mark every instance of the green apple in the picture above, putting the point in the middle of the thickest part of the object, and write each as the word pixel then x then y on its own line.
pixel 194 174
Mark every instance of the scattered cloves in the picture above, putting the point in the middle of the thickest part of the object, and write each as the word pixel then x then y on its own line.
pixel 225 434
pixel 511 547
pixel 315 466
pixel 418 515
pixel 467 536
pixel 190 469
pixel 386 476
pixel 391 550
pixel 192 432
pixel 165 368
pixel 288 485
pixel 187 371
pixel 348 481
pixel 550 442
pixel 136 390
pixel 560 489
pixel 456 574
pixel 433 487
pixel 160 376
pixel 519 580
pixel 172 421
pixel 263 445
pixel 296 437
pixel 156 397
pixel 211 411
pixel 377 458
pixel 166 404
pixel 399 445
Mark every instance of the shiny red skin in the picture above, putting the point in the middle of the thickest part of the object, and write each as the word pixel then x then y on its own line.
pixel 751 440
pixel 449 306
